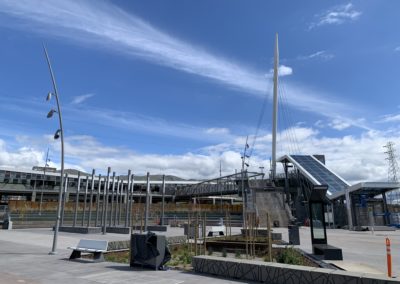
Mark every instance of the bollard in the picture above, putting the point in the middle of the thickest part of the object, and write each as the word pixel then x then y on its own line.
pixel 389 258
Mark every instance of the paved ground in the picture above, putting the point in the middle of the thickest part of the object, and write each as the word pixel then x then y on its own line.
pixel 24 258
pixel 362 251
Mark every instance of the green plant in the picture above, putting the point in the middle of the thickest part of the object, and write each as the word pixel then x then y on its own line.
pixel 237 254
pixel 209 251
pixel 289 256
pixel 224 253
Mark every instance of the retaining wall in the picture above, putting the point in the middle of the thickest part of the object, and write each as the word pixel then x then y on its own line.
pixel 277 273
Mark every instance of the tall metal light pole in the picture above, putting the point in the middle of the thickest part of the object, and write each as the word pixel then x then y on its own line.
pixel 59 134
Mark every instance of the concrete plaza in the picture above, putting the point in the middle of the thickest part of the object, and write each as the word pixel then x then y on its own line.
pixel 24 258
pixel 362 251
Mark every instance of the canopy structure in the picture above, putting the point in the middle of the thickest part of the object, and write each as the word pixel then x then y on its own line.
pixel 313 170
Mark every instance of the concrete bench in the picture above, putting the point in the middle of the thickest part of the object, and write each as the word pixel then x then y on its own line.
pixel 329 252
pixel 97 247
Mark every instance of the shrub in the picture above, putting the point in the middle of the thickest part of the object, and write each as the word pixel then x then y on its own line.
pixel 224 253
pixel 290 256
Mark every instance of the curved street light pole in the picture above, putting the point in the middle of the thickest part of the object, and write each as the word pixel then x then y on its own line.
pixel 61 133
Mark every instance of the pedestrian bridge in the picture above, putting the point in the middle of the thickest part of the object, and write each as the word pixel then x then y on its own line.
pixel 226 185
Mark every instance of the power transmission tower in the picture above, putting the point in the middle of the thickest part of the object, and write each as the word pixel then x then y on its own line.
pixel 392 160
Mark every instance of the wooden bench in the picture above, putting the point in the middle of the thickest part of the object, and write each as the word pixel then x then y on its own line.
pixel 97 247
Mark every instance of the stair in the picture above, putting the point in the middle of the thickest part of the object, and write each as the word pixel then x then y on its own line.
pixel 272 202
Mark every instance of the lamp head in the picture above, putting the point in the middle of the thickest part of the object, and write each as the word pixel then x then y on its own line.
pixel 57 134
pixel 49 95
pixel 51 112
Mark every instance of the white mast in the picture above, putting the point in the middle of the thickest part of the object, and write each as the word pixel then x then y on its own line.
pixel 275 111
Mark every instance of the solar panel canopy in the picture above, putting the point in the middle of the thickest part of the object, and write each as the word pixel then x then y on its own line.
pixel 320 173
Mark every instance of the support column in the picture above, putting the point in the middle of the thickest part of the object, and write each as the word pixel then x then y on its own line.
pixel 91 199
pixel 131 200
pixel 349 209
pixel 85 200
pixel 127 198
pixel 64 200
pixel 112 201
pixel 98 202
pixel 33 197
pixel 146 216
pixel 385 209
pixel 163 202
pixel 105 201
pixel 77 200
pixel 119 199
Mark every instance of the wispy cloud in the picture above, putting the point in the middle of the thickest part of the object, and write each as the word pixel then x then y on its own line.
pixel 322 54
pixel 80 99
pixel 397 49
pixel 101 22
pixel 390 118
pixel 336 15
pixel 134 122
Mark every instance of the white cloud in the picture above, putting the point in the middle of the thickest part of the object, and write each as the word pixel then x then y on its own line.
pixel 217 131
pixel 339 124
pixel 23 157
pixel 355 158
pixel 285 70
pixel 80 99
pixel 336 15
pixel 390 118
pixel 322 54
pixel 282 71
pixel 98 22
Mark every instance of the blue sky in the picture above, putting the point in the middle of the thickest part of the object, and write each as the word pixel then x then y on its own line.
pixel 176 86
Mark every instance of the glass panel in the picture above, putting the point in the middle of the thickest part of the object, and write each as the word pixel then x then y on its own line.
pixel 317 221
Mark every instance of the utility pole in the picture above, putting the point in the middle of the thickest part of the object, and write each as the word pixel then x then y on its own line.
pixel 242 176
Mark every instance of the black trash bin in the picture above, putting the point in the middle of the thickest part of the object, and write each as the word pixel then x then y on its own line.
pixel 149 250
pixel 294 236
pixel 5 225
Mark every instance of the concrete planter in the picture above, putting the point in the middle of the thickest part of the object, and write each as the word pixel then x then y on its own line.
pixel 277 273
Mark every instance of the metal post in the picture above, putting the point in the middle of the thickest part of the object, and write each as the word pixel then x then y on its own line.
pixel 63 200
pixel 112 200
pixel 275 109
pixel 105 200
pixel 85 200
pixel 163 201
pixel 91 199
pixel 77 200
pixel 118 206
pixel 98 202
pixel 146 216
pixel 121 188
pixel 349 209
pixel 127 198
pixel 131 200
